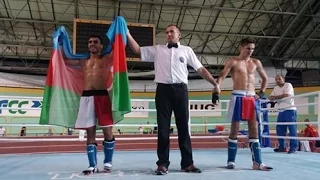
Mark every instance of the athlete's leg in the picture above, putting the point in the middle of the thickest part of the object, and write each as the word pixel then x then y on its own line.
pixel 233 116
pixel 103 112
pixel 86 120
pixel 255 146
pixel 108 147
pixel 233 144
pixel 91 151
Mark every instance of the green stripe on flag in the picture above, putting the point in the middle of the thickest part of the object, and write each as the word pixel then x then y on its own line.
pixel 60 107
pixel 121 101
pixel 121 93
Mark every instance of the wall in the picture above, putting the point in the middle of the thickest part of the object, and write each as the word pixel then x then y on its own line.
pixel 16 91
pixel 193 85
pixel 32 81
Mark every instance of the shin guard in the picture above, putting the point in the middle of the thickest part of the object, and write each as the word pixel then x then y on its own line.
pixel 92 155
pixel 108 148
pixel 255 150
pixel 232 149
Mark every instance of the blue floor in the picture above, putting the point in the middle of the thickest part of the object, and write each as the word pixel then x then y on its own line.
pixel 136 165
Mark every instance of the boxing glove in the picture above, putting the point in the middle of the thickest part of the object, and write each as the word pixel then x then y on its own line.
pixel 215 98
pixel 260 94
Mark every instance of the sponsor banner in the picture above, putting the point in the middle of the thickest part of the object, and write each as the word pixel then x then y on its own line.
pixel 213 110
pixel 20 107
pixel 32 107
pixel 138 105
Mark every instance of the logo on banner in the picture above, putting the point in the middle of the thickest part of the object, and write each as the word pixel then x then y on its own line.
pixel 211 109
pixel 23 105
pixel 136 106
pixel 202 107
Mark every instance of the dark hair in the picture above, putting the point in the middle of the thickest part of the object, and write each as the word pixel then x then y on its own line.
pixel 280 75
pixel 174 26
pixel 96 36
pixel 246 41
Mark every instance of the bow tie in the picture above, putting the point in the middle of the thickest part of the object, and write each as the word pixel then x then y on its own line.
pixel 172 45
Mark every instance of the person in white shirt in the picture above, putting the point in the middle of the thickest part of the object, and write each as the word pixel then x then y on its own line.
pixel 287 113
pixel 171 75
pixel 2 131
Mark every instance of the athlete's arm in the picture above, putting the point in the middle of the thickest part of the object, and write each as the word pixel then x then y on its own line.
pixel 262 75
pixel 227 68
pixel 72 62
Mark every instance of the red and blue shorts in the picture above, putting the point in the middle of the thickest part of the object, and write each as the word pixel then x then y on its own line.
pixel 242 106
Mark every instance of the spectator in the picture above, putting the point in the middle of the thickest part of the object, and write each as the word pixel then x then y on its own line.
pixel 2 131
pixel 23 131
pixel 219 128
pixel 50 133
pixel 147 130
pixel 311 131
pixel 70 131
pixel 140 129
pixel 155 129
pixel 171 130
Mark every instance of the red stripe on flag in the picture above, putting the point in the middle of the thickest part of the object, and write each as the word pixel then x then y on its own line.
pixel 49 73
pixel 63 76
pixel 119 55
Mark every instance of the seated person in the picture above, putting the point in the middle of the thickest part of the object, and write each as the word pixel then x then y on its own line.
pixel 23 131
pixel 146 130
pixel 216 129
pixel 311 131
pixel 171 130
pixel 155 130
pixel 219 128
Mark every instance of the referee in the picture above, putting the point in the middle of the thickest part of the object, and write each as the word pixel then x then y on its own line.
pixel 171 76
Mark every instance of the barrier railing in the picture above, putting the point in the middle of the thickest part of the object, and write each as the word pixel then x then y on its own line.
pixel 195 112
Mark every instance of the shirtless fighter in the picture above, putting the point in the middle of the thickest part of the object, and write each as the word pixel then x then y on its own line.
pixel 243 101
pixel 95 103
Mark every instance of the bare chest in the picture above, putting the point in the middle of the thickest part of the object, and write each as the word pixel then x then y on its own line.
pixel 95 63
pixel 244 67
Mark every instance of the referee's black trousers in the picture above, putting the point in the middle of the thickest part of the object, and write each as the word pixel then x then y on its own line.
pixel 173 97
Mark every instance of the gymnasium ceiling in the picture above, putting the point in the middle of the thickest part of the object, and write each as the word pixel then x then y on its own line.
pixel 287 31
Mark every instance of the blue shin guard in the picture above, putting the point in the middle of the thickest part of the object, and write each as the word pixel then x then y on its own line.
pixel 256 156
pixel 255 150
pixel 232 152
pixel 92 155
pixel 108 148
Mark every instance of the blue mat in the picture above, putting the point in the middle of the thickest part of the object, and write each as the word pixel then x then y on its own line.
pixel 139 165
